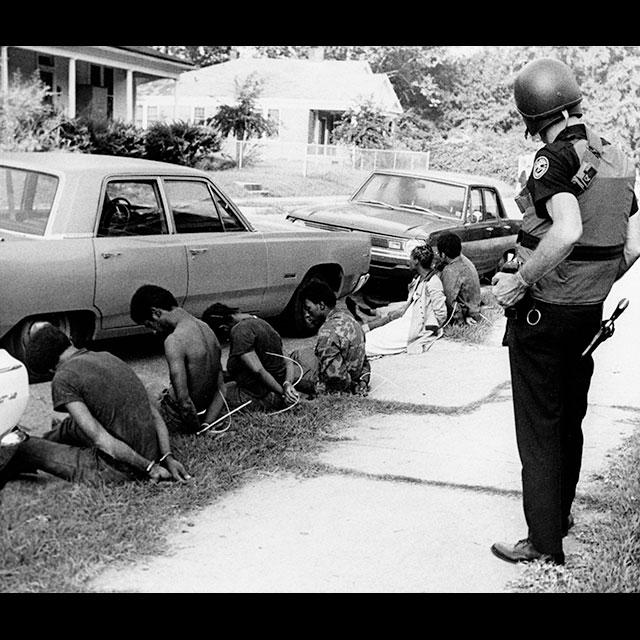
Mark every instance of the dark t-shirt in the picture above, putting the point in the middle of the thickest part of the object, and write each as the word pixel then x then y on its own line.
pixel 255 334
pixel 114 395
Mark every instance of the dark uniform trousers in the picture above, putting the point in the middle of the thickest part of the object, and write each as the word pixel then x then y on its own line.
pixel 550 382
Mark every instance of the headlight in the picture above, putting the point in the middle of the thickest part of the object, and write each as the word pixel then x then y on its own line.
pixel 410 245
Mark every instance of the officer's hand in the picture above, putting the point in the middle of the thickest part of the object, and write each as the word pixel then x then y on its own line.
pixel 508 288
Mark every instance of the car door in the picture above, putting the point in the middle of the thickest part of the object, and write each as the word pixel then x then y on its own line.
pixel 133 247
pixel 226 261
pixel 482 230
pixel 503 231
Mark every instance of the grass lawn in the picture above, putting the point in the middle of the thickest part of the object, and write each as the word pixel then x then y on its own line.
pixel 285 178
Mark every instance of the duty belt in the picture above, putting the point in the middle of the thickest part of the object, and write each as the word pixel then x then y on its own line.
pixel 585 253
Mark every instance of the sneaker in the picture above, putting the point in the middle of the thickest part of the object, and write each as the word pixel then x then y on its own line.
pixel 524 551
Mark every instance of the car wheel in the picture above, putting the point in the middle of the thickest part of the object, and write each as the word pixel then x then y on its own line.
pixel 293 321
pixel 22 334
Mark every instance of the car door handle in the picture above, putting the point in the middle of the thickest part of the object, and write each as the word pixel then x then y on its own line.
pixel 506 226
pixel 111 254
pixel 488 228
pixel 195 252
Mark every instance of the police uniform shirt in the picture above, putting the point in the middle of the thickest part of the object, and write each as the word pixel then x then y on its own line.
pixel 554 167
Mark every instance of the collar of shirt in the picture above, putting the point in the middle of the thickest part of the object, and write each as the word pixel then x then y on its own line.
pixel 574 131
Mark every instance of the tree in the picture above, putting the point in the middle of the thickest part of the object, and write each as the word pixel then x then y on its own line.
pixel 243 119
pixel 364 126
pixel 199 55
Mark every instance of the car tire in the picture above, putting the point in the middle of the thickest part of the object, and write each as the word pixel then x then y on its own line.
pixel 21 335
pixel 292 319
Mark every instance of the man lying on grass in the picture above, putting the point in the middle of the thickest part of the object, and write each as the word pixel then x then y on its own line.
pixel 112 432
pixel 192 351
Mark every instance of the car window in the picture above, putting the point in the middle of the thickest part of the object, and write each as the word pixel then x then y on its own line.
pixel 198 209
pixel 412 192
pixel 475 210
pixel 132 208
pixel 229 218
pixel 491 205
pixel 192 207
pixel 26 198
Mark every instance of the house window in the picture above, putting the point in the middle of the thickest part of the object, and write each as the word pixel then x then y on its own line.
pixel 139 112
pixel 198 115
pixel 152 114
pixel 96 75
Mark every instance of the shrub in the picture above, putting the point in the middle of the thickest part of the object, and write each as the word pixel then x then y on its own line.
pixel 180 142
pixel 216 162
pixel 72 133
pixel 27 121
pixel 115 138
pixel 364 126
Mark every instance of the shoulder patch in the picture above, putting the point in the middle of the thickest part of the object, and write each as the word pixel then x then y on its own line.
pixel 540 167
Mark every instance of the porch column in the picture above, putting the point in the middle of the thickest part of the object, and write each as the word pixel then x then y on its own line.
pixel 4 70
pixel 72 88
pixel 130 110
pixel 175 97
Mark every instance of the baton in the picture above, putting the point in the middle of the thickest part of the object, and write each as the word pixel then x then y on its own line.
pixel 606 328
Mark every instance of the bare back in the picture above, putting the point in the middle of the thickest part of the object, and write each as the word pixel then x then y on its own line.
pixel 196 344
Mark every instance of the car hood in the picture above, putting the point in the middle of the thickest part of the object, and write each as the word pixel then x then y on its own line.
pixel 377 220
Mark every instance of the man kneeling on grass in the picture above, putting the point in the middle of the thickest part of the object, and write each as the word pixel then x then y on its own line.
pixel 112 432
pixel 256 366
pixel 338 362
pixel 192 351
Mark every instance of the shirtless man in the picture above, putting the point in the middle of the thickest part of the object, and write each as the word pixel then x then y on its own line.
pixel 192 351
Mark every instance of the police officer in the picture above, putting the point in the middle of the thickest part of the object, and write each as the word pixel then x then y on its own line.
pixel 578 236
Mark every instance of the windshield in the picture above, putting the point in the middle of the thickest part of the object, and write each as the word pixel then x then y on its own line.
pixel 417 194
pixel 26 198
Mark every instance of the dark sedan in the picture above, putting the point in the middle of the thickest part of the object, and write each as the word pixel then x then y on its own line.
pixel 400 210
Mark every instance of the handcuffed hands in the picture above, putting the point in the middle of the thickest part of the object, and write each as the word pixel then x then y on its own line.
pixel 290 394
pixel 176 469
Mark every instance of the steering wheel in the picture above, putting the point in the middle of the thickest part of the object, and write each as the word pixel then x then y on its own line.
pixel 121 210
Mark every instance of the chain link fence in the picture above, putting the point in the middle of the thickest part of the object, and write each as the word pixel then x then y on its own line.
pixel 322 158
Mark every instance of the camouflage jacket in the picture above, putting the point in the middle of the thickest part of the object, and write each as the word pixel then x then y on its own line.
pixel 342 363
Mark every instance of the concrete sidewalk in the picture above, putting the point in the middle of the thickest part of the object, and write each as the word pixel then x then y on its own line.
pixel 406 502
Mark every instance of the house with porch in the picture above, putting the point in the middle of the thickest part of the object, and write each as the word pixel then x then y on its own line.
pixel 303 98
pixel 98 82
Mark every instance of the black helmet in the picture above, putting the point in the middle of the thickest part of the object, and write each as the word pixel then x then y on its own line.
pixel 543 89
